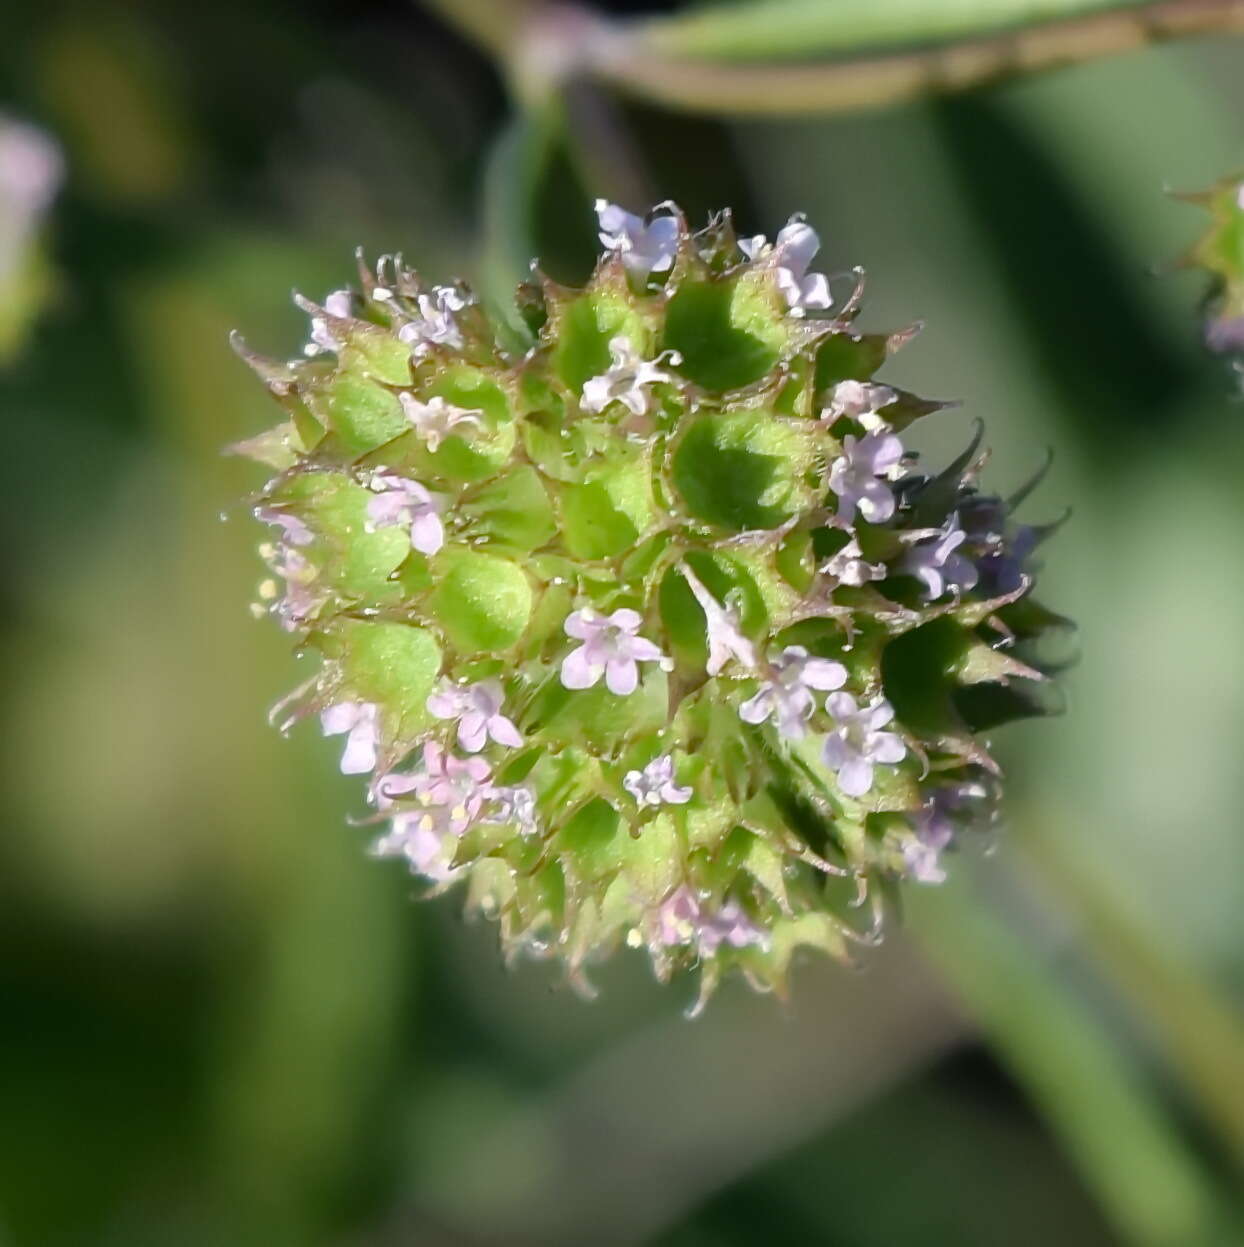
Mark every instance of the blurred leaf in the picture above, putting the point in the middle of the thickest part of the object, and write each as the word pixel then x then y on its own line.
pixel 1146 1177
pixel 1201 1036
pixel 512 181
pixel 801 28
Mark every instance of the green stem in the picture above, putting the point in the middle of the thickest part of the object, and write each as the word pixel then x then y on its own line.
pixel 557 43
pixel 847 86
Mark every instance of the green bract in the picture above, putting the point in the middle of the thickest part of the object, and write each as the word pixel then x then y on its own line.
pixel 1220 252
pixel 652 632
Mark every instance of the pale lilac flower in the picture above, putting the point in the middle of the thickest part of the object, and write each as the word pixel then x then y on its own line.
pixel 477 707
pixel 406 503
pixel 654 785
pixel 626 379
pixel 855 476
pixel 936 564
pixel 303 593
pixel 923 862
pixel 861 401
pixel 360 722
pixel 645 248
pixel 856 744
pixel 788 698
pixel 458 785
pixel 1239 197
pixel 514 805
pixel 425 838
pixel 611 647
pixel 338 304
pixel 796 244
pixel 849 567
pixel 681 919
pixel 31 171
pixel 935 826
pixel 436 323
pixel 293 530
pixel 436 419
pixel 1224 334
pixel 725 641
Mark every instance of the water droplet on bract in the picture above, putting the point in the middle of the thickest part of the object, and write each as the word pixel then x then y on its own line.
pixel 634 938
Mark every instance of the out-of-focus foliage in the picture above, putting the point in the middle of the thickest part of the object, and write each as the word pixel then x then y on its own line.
pixel 223 1024
pixel 1220 253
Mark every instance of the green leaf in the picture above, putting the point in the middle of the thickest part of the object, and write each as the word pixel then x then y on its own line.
pixel 481 601
pixel 756 29
pixel 393 665
pixel 364 415
pixel 729 333
pixel 741 470
pixel 582 329
pixel 611 510
pixel 513 510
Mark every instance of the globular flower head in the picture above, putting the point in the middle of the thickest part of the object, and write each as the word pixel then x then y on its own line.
pixel 649 631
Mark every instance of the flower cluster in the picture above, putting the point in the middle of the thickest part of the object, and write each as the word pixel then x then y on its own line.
pixel 653 632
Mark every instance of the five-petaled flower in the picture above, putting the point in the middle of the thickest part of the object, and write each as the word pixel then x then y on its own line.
pixel 436 323
pixel 655 785
pixel 861 401
pixel 405 503
pixel 477 708
pixel 857 744
pixel 646 247
pixel 611 647
pixel 787 697
pixel 936 563
pixel 424 836
pixel 682 919
pixel 436 419
pixel 360 722
pixel 794 247
pixel 459 786
pixel 854 476
pixel 627 379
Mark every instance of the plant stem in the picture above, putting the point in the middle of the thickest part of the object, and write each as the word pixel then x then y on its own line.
pixel 629 56
pixel 853 85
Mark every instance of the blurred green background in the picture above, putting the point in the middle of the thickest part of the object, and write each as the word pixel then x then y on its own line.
pixel 221 1023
